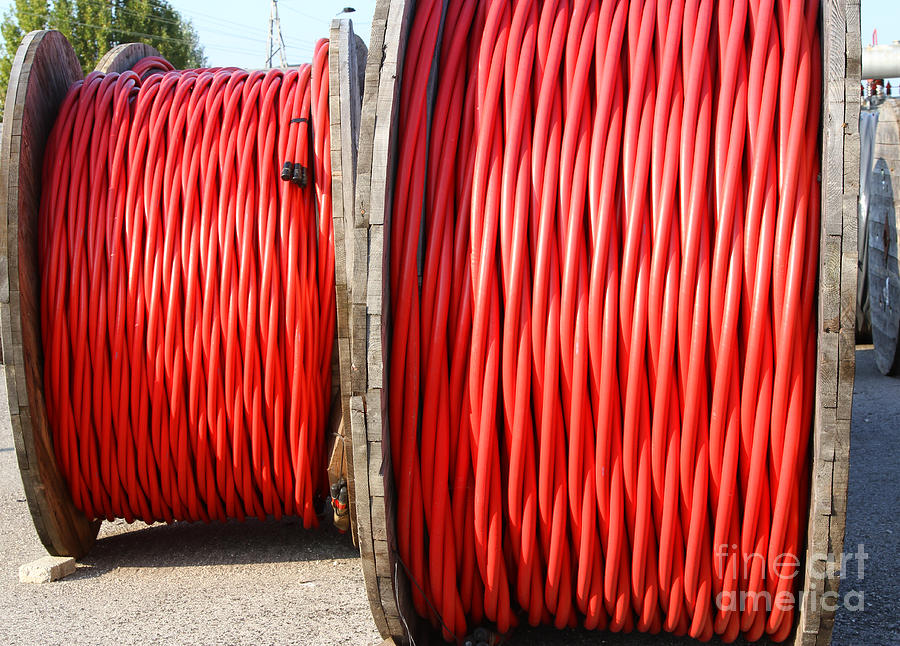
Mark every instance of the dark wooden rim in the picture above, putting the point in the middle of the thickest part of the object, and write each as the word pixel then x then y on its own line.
pixel 44 68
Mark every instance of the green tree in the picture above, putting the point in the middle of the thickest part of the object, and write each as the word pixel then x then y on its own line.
pixel 95 26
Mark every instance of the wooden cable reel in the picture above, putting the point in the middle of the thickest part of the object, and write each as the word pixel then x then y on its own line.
pixel 44 68
pixel 881 235
pixel 388 586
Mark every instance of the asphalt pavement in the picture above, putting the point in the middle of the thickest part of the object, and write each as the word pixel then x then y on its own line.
pixel 274 583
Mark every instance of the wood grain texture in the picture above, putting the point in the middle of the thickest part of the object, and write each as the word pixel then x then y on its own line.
pixel 346 51
pixel 836 323
pixel 42 71
pixel 367 251
pixel 123 57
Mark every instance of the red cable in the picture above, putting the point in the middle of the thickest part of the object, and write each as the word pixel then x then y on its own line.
pixel 603 260
pixel 187 291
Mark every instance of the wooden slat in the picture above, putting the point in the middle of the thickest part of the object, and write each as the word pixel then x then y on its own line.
pixel 346 51
pixel 369 300
pixel 44 67
pixel 836 326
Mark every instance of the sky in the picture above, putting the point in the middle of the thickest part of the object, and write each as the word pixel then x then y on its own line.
pixel 233 32
pixel 883 15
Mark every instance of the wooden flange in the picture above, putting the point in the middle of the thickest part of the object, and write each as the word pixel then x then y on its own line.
pixel 347 57
pixel 836 353
pixel 44 68
pixel 883 264
pixel 123 57
pixel 386 585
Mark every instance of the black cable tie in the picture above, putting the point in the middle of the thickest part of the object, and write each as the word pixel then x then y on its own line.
pixel 300 120
pixel 286 171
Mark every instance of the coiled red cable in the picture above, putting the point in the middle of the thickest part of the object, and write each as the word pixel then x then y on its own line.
pixel 602 278
pixel 187 291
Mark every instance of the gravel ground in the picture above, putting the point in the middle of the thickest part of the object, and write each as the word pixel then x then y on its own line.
pixel 273 583
pixel 222 583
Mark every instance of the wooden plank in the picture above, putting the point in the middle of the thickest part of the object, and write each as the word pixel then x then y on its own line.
pixel 358 353
pixel 383 566
pixel 378 445
pixel 833 156
pixel 830 285
pixel 44 68
pixel 823 446
pixel 367 253
pixel 837 294
pixel 363 516
pixel 344 106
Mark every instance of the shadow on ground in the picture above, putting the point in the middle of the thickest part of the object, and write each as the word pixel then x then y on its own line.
pixel 207 544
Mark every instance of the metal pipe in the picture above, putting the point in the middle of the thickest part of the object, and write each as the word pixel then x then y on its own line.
pixel 881 61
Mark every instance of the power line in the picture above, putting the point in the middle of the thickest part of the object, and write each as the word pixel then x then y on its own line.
pixel 110 28
pixel 308 16
pixel 169 21
pixel 222 27
pixel 206 15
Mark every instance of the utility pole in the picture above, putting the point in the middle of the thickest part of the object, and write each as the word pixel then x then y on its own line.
pixel 276 40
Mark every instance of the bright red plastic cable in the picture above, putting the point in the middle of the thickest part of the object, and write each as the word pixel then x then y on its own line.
pixel 187 291
pixel 602 261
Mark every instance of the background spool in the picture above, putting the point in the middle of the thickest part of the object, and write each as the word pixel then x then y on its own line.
pixel 123 57
pixel 44 68
pixel 868 124
pixel 388 588
pixel 881 234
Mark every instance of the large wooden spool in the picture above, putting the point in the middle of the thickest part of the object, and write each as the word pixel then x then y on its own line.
pixel 44 68
pixel 386 583
pixel 881 236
